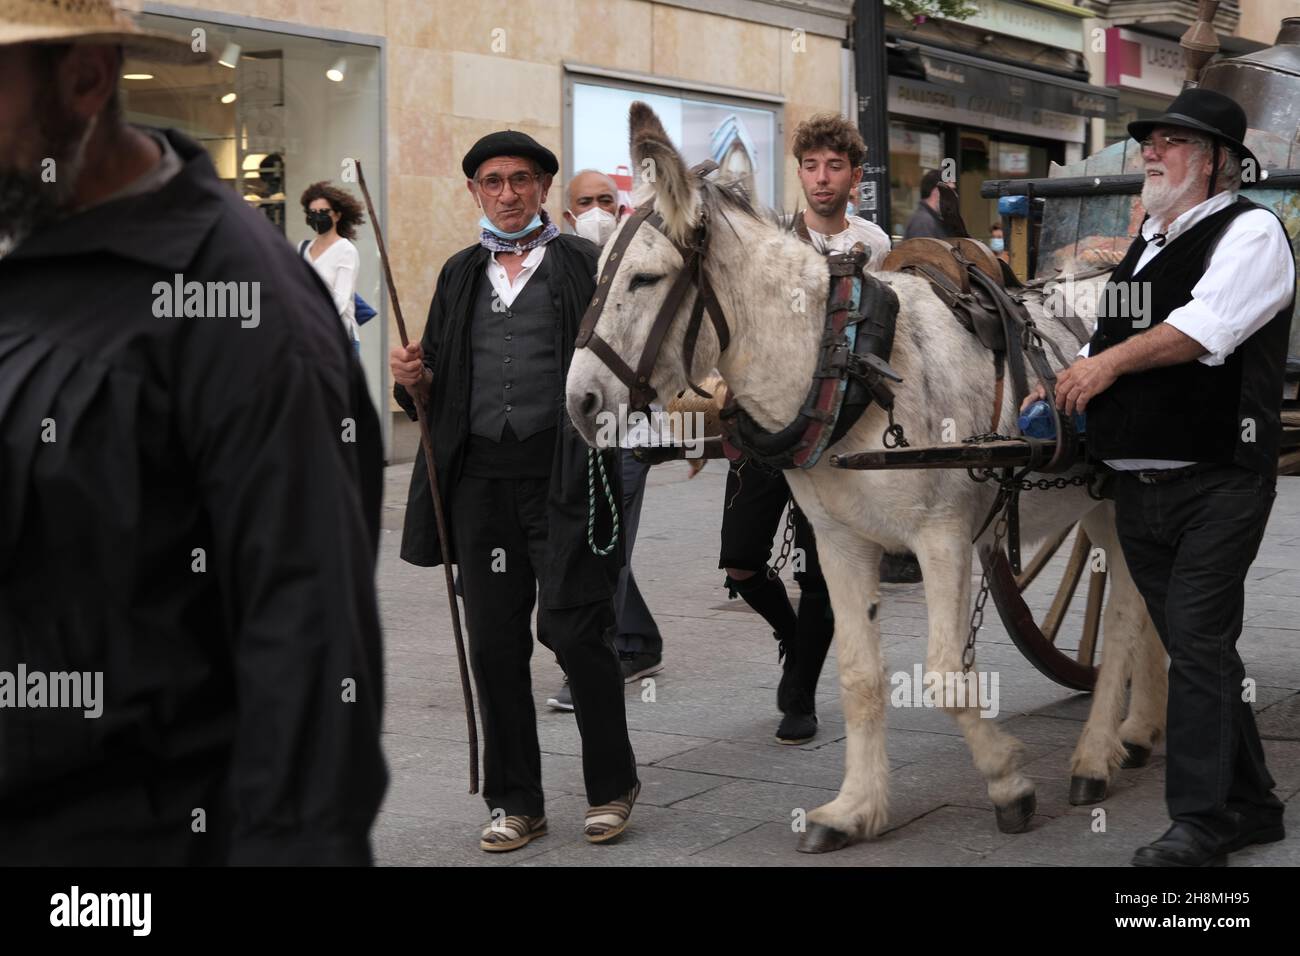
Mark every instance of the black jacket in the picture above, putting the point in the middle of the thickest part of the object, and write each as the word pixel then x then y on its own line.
pixel 577 575
pixel 202 529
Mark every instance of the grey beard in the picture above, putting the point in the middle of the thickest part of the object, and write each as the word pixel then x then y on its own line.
pixel 1159 197
pixel 29 204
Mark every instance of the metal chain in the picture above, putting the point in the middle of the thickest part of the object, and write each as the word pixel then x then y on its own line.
pixel 787 539
pixel 977 613
pixel 893 436
pixel 591 505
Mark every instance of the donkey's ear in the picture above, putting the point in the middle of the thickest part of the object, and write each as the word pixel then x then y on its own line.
pixel 659 167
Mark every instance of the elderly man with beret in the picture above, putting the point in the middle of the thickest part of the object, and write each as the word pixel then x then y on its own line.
pixel 514 474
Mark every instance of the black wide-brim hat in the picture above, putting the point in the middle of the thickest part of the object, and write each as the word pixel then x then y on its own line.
pixel 1207 112
pixel 508 142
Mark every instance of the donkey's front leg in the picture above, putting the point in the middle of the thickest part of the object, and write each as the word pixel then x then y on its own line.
pixel 944 552
pixel 851 565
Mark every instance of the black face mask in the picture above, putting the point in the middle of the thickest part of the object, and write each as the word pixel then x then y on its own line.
pixel 320 221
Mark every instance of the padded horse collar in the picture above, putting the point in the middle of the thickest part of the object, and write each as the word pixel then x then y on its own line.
pixel 852 368
pixel 640 391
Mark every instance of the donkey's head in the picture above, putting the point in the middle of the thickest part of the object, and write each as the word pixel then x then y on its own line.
pixel 651 275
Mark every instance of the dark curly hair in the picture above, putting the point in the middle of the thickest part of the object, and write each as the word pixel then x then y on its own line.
pixel 341 202
pixel 829 131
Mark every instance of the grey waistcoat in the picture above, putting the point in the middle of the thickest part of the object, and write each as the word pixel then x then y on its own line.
pixel 515 372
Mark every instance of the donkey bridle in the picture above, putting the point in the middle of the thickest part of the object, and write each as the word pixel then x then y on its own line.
pixel 640 392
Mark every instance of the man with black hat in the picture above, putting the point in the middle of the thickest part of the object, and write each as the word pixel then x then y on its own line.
pixel 515 475
pixel 1183 388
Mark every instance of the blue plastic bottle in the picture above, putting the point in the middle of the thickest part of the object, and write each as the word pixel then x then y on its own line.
pixel 1037 422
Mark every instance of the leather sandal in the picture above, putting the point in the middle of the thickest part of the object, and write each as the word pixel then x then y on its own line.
pixel 608 820
pixel 511 833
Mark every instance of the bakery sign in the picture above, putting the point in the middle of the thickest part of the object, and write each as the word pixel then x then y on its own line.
pixel 1137 61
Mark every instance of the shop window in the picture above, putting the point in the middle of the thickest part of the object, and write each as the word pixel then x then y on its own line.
pixel 742 139
pixel 914 149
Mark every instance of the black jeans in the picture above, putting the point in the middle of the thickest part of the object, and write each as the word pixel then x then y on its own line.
pixel 500 531
pixel 1189 543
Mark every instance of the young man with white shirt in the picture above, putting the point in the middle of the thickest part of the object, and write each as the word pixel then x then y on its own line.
pixel 830 153
pixel 1183 396
pixel 494 356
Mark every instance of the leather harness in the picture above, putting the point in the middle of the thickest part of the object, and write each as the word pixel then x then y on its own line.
pixel 640 392
pixel 853 356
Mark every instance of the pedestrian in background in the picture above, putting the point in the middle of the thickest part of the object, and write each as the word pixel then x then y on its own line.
pixel 334 216
pixel 593 213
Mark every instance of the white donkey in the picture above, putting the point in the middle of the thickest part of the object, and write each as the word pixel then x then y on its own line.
pixel 754 268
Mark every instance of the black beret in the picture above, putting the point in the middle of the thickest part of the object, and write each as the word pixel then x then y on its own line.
pixel 508 142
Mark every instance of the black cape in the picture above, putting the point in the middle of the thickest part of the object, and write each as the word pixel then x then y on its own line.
pixel 578 576
pixel 183 509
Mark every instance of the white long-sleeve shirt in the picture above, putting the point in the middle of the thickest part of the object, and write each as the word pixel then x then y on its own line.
pixel 1250 276
pixel 338 266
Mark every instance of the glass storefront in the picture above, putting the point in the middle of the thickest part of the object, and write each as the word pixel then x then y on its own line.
pixel 278 112
pixel 916 147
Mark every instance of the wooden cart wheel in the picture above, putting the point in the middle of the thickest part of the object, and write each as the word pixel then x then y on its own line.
pixel 1042 642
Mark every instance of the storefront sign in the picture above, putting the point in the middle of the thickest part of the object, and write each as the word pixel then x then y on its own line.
pixel 928 101
pixel 1043 92
pixel 1135 61
pixel 1028 23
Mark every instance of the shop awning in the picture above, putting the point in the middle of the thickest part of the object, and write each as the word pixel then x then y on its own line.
pixel 983 86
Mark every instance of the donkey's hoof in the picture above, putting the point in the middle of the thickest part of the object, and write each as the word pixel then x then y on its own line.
pixel 1135 755
pixel 1015 817
pixel 819 838
pixel 1086 790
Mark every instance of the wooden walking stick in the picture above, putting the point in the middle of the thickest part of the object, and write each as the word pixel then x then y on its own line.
pixel 420 393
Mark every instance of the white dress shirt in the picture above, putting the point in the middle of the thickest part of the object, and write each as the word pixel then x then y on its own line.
pixel 1250 276
pixel 506 289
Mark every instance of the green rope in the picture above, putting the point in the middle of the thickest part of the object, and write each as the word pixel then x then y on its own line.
pixel 591 505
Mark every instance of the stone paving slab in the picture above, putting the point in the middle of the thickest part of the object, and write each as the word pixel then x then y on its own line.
pixel 719 791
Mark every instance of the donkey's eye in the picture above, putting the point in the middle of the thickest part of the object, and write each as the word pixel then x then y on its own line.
pixel 640 279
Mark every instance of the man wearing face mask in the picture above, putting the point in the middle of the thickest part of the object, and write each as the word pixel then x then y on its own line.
pixel 514 474
pixel 593 214
pixel 593 206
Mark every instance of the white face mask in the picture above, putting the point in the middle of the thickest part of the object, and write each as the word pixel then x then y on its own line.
pixel 595 224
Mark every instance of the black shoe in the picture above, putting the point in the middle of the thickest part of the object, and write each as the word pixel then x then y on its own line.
pixel 785 655
pixel 797 728
pixel 1252 829
pixel 1180 846
pixel 563 699
pixel 899 569
pixel 638 664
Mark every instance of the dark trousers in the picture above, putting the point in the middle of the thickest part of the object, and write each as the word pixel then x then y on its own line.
pixel 500 528
pixel 751 520
pixel 1188 544
pixel 637 630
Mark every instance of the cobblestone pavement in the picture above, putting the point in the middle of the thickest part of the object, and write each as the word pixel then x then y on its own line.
pixel 716 787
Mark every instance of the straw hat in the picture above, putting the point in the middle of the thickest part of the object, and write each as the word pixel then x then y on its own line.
pixel 89 21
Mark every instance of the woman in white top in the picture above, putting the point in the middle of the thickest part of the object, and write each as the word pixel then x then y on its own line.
pixel 334 215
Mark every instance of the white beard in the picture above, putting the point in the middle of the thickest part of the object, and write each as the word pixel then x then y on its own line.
pixel 1160 196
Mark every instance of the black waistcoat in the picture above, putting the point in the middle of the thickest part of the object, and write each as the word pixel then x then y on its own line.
pixel 1229 413
pixel 516 373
